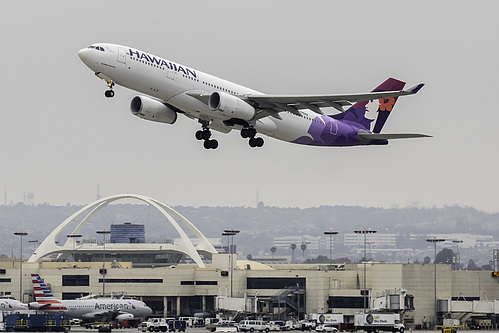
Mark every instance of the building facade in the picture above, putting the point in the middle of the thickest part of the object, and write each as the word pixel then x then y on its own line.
pixel 279 290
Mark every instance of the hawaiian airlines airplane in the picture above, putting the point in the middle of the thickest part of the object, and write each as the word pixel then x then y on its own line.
pixel 170 89
pixel 88 309
pixel 11 304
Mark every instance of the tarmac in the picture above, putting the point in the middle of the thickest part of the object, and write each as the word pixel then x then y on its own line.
pixel 204 330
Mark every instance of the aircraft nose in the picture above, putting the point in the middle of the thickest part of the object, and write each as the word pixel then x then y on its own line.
pixel 83 54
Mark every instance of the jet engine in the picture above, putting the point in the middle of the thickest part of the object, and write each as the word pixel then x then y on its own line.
pixel 230 106
pixel 124 316
pixel 151 109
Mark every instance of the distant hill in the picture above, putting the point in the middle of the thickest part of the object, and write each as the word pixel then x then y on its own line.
pixel 260 225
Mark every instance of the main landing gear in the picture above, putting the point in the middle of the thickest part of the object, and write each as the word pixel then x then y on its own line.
pixel 250 133
pixel 205 135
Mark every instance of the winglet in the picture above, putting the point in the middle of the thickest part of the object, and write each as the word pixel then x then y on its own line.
pixel 415 89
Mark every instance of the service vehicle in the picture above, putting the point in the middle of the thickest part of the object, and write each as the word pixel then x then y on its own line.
pixel 37 322
pixel 375 322
pixel 226 327
pixel 326 328
pixel 253 325
pixel 327 318
pixel 155 325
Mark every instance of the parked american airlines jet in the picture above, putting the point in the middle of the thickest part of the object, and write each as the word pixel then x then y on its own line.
pixel 221 105
pixel 11 304
pixel 88 309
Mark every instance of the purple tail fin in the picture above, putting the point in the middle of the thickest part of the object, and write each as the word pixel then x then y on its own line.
pixel 373 114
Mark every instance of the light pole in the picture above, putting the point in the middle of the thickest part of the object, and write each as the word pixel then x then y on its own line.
pixel 21 234
pixel 104 233
pixel 435 240
pixel 457 263
pixel 330 233
pixel 230 233
pixel 74 237
pixel 365 232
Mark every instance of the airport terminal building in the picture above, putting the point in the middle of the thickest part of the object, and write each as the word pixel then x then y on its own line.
pixel 221 283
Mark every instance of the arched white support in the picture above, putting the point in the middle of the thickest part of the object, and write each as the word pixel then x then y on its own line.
pixel 49 246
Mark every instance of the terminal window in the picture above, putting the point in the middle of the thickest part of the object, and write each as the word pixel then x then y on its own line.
pixel 75 280
pixel 342 302
pixel 5 280
pixel 275 283
pixel 206 283
pixel 132 280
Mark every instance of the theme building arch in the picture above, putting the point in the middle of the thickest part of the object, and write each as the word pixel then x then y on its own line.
pixel 185 246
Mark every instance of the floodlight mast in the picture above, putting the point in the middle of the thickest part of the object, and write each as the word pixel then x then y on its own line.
pixel 365 232
pixel 435 240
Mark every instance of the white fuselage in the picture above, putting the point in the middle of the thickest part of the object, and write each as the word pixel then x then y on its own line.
pixel 9 304
pixel 91 308
pixel 170 82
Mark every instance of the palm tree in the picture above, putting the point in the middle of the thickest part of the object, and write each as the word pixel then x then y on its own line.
pixel 303 247
pixel 273 249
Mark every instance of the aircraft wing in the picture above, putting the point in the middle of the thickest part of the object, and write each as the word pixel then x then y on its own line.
pixel 271 105
pixel 103 315
pixel 293 103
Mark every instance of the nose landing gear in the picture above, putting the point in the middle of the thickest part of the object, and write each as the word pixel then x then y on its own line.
pixel 110 92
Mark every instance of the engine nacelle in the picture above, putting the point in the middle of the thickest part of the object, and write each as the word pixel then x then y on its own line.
pixel 124 316
pixel 231 106
pixel 151 109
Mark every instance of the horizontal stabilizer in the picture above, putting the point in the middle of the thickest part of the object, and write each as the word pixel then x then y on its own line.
pixel 368 137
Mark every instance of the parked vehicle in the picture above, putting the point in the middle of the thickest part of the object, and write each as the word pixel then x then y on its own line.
pixel 37 322
pixel 306 325
pixel 326 328
pixel 176 325
pixel 283 326
pixel 253 325
pixel 375 322
pixel 274 327
pixel 226 327
pixel 326 318
pixel 155 325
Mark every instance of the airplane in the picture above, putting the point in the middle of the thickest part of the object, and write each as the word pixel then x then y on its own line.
pixel 170 89
pixel 11 304
pixel 87 309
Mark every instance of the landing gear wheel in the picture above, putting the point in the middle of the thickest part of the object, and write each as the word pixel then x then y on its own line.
pixel 248 132
pixel 109 93
pixel 256 142
pixel 210 144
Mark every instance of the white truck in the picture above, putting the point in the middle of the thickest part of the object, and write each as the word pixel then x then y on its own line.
pixel 375 322
pixel 155 325
pixel 326 318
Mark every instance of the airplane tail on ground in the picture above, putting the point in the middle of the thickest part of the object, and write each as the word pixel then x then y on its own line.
pixel 373 114
pixel 44 299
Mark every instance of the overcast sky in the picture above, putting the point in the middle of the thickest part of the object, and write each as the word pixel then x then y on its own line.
pixel 61 137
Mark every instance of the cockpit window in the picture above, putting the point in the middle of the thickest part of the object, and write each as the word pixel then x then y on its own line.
pixel 99 48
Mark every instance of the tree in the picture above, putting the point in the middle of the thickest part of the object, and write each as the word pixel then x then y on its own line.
pixel 303 247
pixel 249 256
pixel 320 260
pixel 273 249
pixel 472 266
pixel 293 247
pixel 426 260
pixel 444 257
